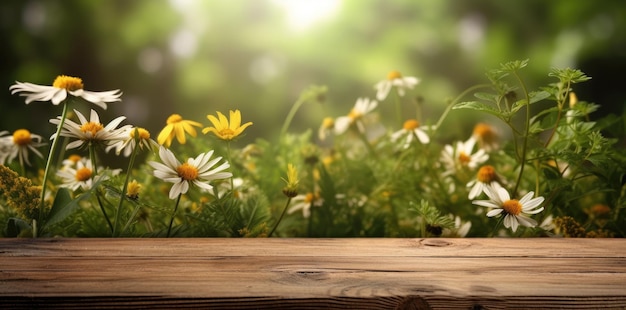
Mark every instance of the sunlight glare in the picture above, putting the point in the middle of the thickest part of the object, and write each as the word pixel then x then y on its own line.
pixel 303 14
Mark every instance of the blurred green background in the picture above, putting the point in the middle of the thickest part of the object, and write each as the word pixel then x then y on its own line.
pixel 198 57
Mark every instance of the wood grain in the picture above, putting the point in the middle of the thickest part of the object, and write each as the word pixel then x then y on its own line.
pixel 287 273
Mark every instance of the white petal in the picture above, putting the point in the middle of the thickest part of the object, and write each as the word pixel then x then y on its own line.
pixel 168 158
pixel 422 136
pixel 527 197
pixel 394 136
pixel 533 203
pixel 533 211
pixel 486 203
pixel 383 88
pixel 74 144
pixel 511 221
pixel 59 96
pixel 178 188
pixel 494 212
pixel 526 221
pixel 202 185
pixel 94 117
pixel 220 176
pixel 475 191
pixel 80 116
pixel 114 123
pixel 502 194
pixel 341 124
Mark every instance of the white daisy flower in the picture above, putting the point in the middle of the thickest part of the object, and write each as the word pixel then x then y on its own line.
pixel 239 189
pixel 461 156
pixel 515 211
pixel 486 176
pixel 81 175
pixel 196 171
pixel 328 124
pixel 61 87
pixel 304 203
pixel 91 131
pixel 128 144
pixel 486 137
pixel 362 107
pixel 460 229
pixel 71 160
pixel 18 145
pixel 394 78
pixel 410 130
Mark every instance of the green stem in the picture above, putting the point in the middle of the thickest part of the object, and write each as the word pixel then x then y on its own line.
pixel 525 136
pixel 280 218
pixel 125 187
pixel 132 216
pixel 290 116
pixel 46 173
pixel 367 143
pixel 558 116
pixel 232 168
pixel 455 100
pixel 169 229
pixel 398 108
pixel 94 164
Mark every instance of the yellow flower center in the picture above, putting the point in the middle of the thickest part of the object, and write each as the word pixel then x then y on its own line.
pixel 486 174
pixel 227 134
pixel 393 75
pixel 464 158
pixel 309 197
pixel 83 174
pixel 328 122
pixel 600 210
pixel 174 118
pixel 187 172
pixel 354 115
pixel 91 127
pixel 411 124
pixel 74 158
pixel 512 207
pixel 484 133
pixel 143 134
pixel 21 137
pixel 68 83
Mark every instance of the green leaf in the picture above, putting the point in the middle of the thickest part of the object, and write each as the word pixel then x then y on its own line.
pixel 487 96
pixel 63 206
pixel 513 66
pixel 533 96
pixel 569 75
pixel 15 226
pixel 537 96
pixel 478 106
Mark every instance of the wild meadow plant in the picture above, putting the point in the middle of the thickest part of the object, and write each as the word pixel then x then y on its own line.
pixel 554 171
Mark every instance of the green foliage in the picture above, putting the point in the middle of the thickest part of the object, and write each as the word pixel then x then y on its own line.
pixel 362 175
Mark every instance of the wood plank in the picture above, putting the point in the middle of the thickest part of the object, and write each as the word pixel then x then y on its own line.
pixel 315 273
pixel 202 247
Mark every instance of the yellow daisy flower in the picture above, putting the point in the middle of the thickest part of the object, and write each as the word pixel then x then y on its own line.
pixel 176 127
pixel 224 129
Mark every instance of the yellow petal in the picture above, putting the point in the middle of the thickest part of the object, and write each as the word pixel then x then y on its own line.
pixel 235 119
pixel 214 120
pixel 189 129
pixel 180 134
pixel 223 121
pixel 165 135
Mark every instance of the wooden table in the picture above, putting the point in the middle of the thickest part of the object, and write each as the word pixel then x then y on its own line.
pixel 313 273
